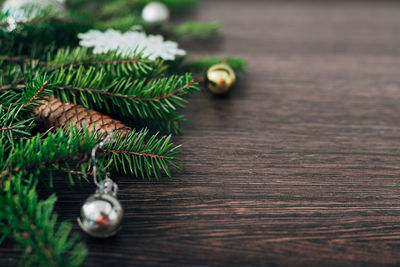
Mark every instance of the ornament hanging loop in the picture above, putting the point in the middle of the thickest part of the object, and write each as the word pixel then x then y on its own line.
pixel 101 145
pixel 101 214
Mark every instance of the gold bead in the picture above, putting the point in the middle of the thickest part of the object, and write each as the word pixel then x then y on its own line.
pixel 220 79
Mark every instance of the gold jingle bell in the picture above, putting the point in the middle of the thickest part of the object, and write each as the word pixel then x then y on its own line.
pixel 220 79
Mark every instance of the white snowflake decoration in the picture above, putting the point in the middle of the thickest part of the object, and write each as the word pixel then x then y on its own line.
pixel 14 16
pixel 130 43
pixel 16 4
pixel 16 12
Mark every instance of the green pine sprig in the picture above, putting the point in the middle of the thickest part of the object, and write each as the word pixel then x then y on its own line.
pixel 13 126
pixel 156 100
pixel 140 155
pixel 113 63
pixel 236 63
pixel 123 7
pixel 32 223
pixel 62 150
pixel 197 29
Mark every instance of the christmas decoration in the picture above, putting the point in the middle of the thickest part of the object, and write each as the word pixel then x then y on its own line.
pixel 220 79
pixel 16 14
pixel 131 43
pixel 155 12
pixel 59 100
pixel 54 113
pixel 101 214
pixel 12 24
pixel 17 4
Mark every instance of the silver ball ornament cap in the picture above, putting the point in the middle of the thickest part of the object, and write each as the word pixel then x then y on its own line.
pixel 101 215
pixel 155 12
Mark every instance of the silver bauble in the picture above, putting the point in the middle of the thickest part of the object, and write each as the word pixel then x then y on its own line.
pixel 155 12
pixel 101 215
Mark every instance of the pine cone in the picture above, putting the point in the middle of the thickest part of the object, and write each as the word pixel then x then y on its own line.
pixel 54 113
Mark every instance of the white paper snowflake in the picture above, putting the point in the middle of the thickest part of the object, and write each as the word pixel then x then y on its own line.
pixel 16 4
pixel 130 43
pixel 16 12
pixel 14 16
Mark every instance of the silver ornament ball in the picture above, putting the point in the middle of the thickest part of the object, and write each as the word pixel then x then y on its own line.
pixel 101 215
pixel 155 12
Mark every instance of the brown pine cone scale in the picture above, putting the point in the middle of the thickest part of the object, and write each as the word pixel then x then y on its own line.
pixel 54 113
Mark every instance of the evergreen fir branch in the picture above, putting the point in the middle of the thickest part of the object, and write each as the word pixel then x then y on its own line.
pixel 201 65
pixel 12 86
pixel 35 91
pixel 17 114
pixel 197 30
pixel 129 97
pixel 124 23
pixel 14 45
pixel 36 20
pixel 11 98
pixel 68 151
pixel 21 60
pixel 10 75
pixel 33 13
pixel 40 32
pixel 154 99
pixel 108 62
pixel 114 63
pixel 129 65
pixel 33 225
pixel 82 173
pixel 121 7
pixel 171 123
pixel 62 149
pixel 137 154
pixel 12 126
pixel 27 11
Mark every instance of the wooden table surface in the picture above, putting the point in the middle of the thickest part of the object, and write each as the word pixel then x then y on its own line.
pixel 300 165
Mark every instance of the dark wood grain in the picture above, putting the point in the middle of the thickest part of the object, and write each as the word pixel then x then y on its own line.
pixel 300 165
